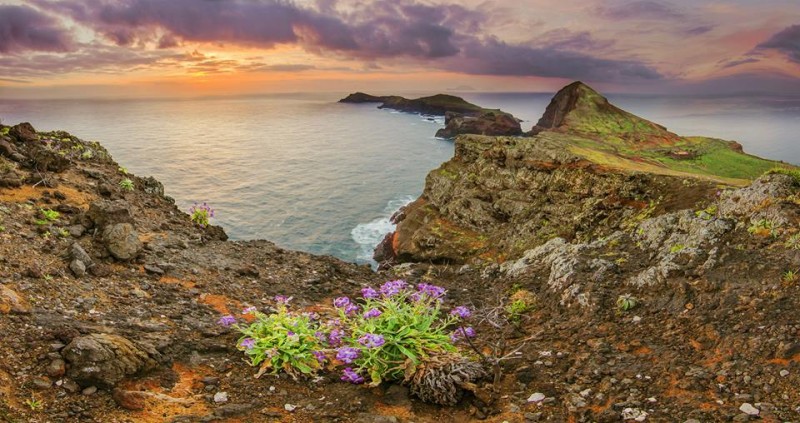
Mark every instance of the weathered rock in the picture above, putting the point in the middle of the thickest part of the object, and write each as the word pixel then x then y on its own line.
pixel 102 213
pixel 24 132
pixel 487 123
pixel 104 359
pixel 122 241
pixel 11 302
pixel 129 400
pixel 152 186
pixel 78 268
pixel 7 149
pixel 56 368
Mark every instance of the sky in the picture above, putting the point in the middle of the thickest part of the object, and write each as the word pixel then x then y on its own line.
pixel 154 48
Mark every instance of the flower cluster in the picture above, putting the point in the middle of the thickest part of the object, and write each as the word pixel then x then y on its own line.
pixel 375 337
pixel 201 214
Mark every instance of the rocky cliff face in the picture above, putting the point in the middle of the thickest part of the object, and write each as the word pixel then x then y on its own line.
pixel 591 169
pixel 486 123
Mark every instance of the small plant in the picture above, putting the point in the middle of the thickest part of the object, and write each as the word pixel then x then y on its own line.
pixel 522 301
pixel 201 214
pixel 47 216
pixel 793 242
pixel 677 248
pixel 63 233
pixel 790 276
pixel 763 227
pixel 708 213
pixel 48 277
pixel 2 228
pixel 793 173
pixel 126 184
pixel 626 302
pixel 86 155
pixel 34 404
pixel 123 170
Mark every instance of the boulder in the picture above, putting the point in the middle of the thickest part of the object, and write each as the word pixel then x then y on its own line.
pixel 102 213
pixel 103 359
pixel 24 132
pixel 487 123
pixel 122 241
pixel 11 302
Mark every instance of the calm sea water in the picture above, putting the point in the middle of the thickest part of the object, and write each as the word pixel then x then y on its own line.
pixel 314 175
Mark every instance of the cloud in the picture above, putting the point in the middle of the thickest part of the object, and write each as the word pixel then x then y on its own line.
pixel 641 9
pixel 443 36
pixel 565 39
pixel 23 28
pixel 700 30
pixel 737 62
pixel 494 57
pixel 786 42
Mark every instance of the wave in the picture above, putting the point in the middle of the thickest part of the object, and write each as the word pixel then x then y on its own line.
pixel 369 235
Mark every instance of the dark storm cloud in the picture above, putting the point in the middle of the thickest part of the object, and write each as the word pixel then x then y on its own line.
pixel 786 42
pixel 443 36
pixel 570 40
pixel 642 9
pixel 494 57
pixel 23 28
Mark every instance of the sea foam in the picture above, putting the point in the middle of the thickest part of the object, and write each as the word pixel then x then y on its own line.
pixel 369 235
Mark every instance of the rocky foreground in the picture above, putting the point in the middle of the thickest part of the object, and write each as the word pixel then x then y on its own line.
pixel 655 288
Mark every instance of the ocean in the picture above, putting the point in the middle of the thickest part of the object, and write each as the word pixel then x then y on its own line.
pixel 315 175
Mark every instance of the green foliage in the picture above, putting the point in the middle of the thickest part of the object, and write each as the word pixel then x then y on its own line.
pixel 86 155
pixel 282 340
pixel 793 242
pixel 793 172
pixel 626 302
pixel 763 227
pixel 34 404
pixel 677 248
pixel 123 170
pixel 126 184
pixel 516 309
pixel 48 216
pixel 5 130
pixel 707 213
pixel 790 276
pixel 63 233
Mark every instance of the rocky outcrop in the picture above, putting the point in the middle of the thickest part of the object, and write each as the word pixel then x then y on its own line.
pixel 359 97
pixel 122 241
pixel 487 123
pixel 104 359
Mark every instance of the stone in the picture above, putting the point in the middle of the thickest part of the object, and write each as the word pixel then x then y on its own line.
pixel 70 386
pixel 537 397
pixel 122 241
pixel 76 252
pixel 748 409
pixel 784 373
pixel 221 397
pixel 56 368
pixel 634 414
pixel 129 400
pixel 42 383
pixel 24 132
pixel 104 359
pixel 90 390
pixel 78 268
pixel 76 231
pixel 153 269
pixel 102 213
pixel 12 303
pixel 289 407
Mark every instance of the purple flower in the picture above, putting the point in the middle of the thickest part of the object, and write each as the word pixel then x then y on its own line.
pixel 282 299
pixel 392 288
pixel 289 333
pixel 249 310
pixel 461 311
pixel 432 291
pixel 341 302
pixel 350 309
pixel 226 320
pixel 310 315
pixel 335 337
pixel 347 354
pixel 371 340
pixel 348 375
pixel 248 343
pixel 320 356
pixel 372 313
pixel 460 333
pixel 320 336
pixel 369 292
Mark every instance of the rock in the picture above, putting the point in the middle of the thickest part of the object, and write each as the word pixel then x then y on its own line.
pixel 396 395
pixel 537 397
pixel 230 410
pixel 634 414
pixel 360 97
pixel 289 407
pixel 104 359
pixel 77 252
pixel 152 186
pixel 748 409
pixel 102 213
pixel 153 269
pixel 76 231
pixel 11 302
pixel 78 268
pixel 129 400
pixel 70 386
pixel 42 383
pixel 220 397
pixel 376 418
pixel 7 149
pixel 122 241
pixel 487 123
pixel 56 368
pixel 24 132
pixel 784 373
pixel 90 390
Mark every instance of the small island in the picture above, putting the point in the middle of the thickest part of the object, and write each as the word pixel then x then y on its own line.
pixel 461 116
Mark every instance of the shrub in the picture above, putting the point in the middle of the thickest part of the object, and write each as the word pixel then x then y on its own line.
pixel 388 334
pixel 201 214
pixel 48 216
pixel 763 227
pixel 626 302
pixel 126 184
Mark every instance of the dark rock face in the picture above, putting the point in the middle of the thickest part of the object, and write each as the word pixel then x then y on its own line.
pixel 488 123
pixel 104 360
pixel 102 213
pixel 24 132
pixel 360 97
pixel 436 105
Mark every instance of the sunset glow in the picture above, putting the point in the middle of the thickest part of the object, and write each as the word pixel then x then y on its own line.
pixel 144 48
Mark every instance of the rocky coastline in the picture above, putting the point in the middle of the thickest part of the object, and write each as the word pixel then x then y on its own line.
pixel 653 288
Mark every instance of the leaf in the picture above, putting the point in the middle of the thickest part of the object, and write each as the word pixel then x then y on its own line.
pixel 408 353
pixel 264 368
